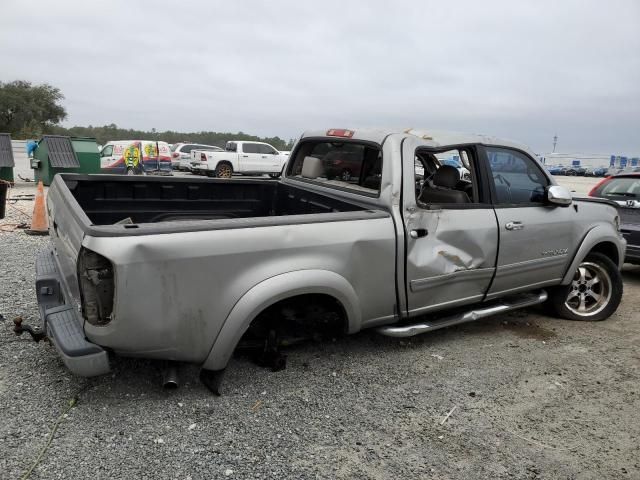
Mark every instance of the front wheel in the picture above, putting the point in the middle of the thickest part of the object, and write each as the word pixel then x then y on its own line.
pixel 594 293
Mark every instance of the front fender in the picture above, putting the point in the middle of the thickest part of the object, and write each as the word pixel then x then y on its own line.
pixel 272 290
pixel 599 234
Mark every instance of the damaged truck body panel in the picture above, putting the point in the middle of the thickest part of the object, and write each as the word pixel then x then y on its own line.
pixel 368 228
pixel 200 283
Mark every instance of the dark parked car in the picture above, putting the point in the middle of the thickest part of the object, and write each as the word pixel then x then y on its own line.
pixel 342 165
pixel 555 169
pixel 596 171
pixel 575 170
pixel 624 189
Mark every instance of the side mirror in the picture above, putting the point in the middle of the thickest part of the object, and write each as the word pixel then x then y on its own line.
pixel 558 195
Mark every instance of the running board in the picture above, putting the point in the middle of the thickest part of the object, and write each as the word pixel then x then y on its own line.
pixel 506 305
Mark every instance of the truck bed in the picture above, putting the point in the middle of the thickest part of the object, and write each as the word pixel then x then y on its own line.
pixel 126 202
pixel 190 250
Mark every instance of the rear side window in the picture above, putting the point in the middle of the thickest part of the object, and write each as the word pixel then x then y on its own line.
pixel 231 147
pixel 250 148
pixel 517 179
pixel 341 165
pixel 621 187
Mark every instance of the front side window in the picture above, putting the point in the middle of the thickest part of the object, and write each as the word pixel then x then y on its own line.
pixel 343 165
pixel 267 149
pixel 107 151
pixel 517 179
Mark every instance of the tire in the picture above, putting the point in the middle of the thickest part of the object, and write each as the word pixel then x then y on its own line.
pixel 224 170
pixel 585 300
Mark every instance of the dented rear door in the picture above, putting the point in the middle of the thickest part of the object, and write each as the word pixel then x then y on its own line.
pixel 450 250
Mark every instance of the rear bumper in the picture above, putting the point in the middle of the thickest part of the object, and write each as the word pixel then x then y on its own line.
pixel 63 323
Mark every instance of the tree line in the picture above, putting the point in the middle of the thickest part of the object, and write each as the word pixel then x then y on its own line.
pixel 29 111
pixel 113 132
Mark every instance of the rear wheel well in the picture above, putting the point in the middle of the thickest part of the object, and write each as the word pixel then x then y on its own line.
pixel 300 317
pixel 608 249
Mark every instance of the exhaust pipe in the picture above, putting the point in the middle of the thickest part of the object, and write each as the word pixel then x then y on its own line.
pixel 170 376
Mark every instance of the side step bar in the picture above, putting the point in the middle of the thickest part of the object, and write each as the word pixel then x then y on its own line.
pixel 506 305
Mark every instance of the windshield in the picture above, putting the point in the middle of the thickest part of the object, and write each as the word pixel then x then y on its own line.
pixel 628 187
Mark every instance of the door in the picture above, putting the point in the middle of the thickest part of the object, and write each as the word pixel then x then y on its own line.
pixel 107 158
pixel 271 161
pixel 451 238
pixel 535 237
pixel 250 158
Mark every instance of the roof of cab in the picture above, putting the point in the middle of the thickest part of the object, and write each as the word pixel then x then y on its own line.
pixel 434 138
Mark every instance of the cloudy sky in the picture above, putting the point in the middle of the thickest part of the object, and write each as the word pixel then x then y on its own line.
pixel 524 70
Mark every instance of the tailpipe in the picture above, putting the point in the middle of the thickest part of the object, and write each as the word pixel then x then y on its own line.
pixel 170 376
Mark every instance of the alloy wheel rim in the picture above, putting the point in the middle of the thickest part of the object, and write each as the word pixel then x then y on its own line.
pixel 590 290
pixel 225 171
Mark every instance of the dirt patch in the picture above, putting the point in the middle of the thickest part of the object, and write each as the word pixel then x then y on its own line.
pixel 531 330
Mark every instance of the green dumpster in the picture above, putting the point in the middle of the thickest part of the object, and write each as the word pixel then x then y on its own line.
pixel 59 154
pixel 6 158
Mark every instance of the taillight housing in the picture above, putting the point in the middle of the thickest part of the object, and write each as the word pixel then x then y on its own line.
pixel 175 154
pixel 593 191
pixel 97 283
pixel 203 157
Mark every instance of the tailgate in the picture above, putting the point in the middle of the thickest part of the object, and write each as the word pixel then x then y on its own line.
pixel 66 227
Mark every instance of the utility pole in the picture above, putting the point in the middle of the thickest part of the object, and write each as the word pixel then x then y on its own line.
pixel 555 140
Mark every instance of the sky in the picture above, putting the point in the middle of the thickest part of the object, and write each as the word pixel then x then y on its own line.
pixel 524 70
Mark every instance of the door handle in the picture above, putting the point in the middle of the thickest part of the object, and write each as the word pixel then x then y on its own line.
pixel 418 233
pixel 245 156
pixel 264 156
pixel 514 226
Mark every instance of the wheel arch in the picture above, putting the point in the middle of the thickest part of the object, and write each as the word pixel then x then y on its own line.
pixel 223 161
pixel 276 289
pixel 602 239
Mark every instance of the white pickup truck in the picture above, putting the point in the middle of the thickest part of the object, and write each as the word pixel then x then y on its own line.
pixel 248 158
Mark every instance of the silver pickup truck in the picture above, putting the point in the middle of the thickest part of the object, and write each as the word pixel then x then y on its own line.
pixel 187 269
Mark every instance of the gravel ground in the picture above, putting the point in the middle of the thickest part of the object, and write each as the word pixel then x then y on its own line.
pixel 534 397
